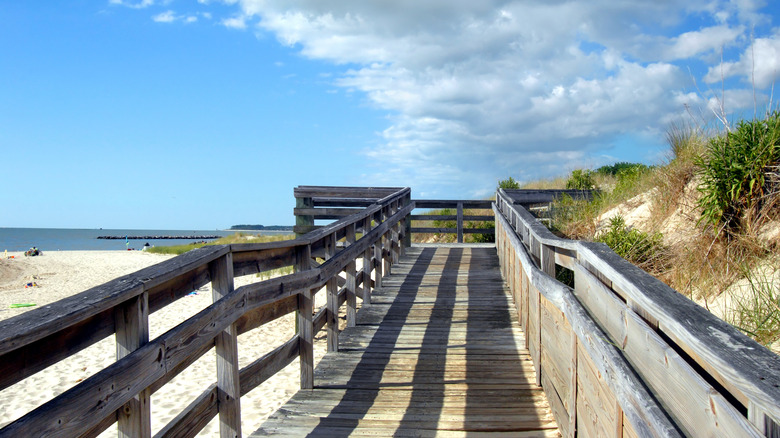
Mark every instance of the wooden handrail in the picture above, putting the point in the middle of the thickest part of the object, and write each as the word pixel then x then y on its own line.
pixel 122 389
pixel 709 378
pixel 459 218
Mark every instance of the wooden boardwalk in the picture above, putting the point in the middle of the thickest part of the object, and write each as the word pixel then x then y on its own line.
pixel 439 353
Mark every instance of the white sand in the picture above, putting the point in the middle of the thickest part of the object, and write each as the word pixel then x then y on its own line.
pixel 61 274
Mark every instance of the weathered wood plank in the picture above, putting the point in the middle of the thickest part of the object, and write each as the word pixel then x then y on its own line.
pixel 226 345
pixel 452 362
pixel 132 332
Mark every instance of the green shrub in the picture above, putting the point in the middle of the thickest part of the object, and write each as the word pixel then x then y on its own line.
pixel 734 173
pixel 640 248
pixel 622 167
pixel 508 183
pixel 580 179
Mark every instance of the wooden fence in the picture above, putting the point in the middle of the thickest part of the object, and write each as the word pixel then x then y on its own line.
pixel 622 354
pixel 121 392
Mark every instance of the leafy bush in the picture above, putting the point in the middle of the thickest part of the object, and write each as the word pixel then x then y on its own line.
pixel 622 168
pixel 580 179
pixel 642 249
pixel 734 173
pixel 508 183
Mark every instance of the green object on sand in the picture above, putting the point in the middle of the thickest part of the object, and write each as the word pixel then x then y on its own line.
pixel 15 306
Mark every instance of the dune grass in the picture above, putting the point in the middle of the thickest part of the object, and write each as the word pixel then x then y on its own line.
pixel 724 197
pixel 233 238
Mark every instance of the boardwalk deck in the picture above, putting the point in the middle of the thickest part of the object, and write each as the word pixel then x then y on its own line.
pixel 439 352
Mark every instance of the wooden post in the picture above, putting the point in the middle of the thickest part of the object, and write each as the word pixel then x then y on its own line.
pixel 332 291
pixel 132 332
pixel 407 225
pixel 228 388
pixel 304 322
pixel 303 221
pixel 351 280
pixel 387 244
pixel 395 245
pixel 367 266
pixel 460 222
pixel 547 260
pixel 378 249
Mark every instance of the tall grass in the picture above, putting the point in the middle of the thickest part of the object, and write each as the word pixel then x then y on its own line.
pixel 756 311
pixel 233 238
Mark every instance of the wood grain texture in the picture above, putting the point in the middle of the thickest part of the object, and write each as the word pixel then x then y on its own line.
pixel 439 352
pixel 226 345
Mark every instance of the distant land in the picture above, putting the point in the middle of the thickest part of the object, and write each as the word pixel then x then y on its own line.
pixel 262 227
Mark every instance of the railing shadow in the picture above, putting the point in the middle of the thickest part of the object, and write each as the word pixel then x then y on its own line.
pixel 363 385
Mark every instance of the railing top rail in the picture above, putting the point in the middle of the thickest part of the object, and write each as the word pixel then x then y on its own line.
pixel 538 196
pixel 344 192
pixel 450 203
pixel 736 361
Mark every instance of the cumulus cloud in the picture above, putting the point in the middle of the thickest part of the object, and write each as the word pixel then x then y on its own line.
pixel 477 90
pixel 759 63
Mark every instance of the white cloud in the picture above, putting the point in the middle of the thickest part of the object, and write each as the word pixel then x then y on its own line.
pixel 164 17
pixel 170 17
pixel 690 44
pixel 137 5
pixel 235 22
pixel 759 63
pixel 478 90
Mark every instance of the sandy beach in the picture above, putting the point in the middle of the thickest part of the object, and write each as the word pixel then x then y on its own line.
pixel 56 275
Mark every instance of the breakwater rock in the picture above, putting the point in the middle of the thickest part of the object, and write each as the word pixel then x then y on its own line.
pixel 158 237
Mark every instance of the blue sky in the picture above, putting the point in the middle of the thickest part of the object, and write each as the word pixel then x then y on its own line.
pixel 204 114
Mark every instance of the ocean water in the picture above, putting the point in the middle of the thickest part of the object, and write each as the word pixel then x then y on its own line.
pixel 66 239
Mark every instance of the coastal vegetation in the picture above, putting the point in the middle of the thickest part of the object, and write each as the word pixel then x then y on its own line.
pixel 233 238
pixel 706 222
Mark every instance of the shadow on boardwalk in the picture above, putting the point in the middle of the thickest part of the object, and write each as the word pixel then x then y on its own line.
pixel 439 352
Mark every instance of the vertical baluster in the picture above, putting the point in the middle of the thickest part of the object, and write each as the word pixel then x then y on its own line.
pixel 367 266
pixel 351 281
pixel 228 389
pixel 460 222
pixel 332 291
pixel 132 332
pixel 304 321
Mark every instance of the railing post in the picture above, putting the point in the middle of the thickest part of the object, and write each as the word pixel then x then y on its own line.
pixel 228 388
pixel 367 266
pixel 306 221
pixel 332 291
pixel 378 260
pixel 351 280
pixel 460 222
pixel 305 327
pixel 387 243
pixel 132 332
pixel 395 234
pixel 547 259
pixel 407 225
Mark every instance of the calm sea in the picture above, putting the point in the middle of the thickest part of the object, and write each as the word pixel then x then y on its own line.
pixel 65 239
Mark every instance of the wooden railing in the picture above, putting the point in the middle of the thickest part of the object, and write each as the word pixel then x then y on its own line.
pixel 622 354
pixel 121 392
pixel 459 217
